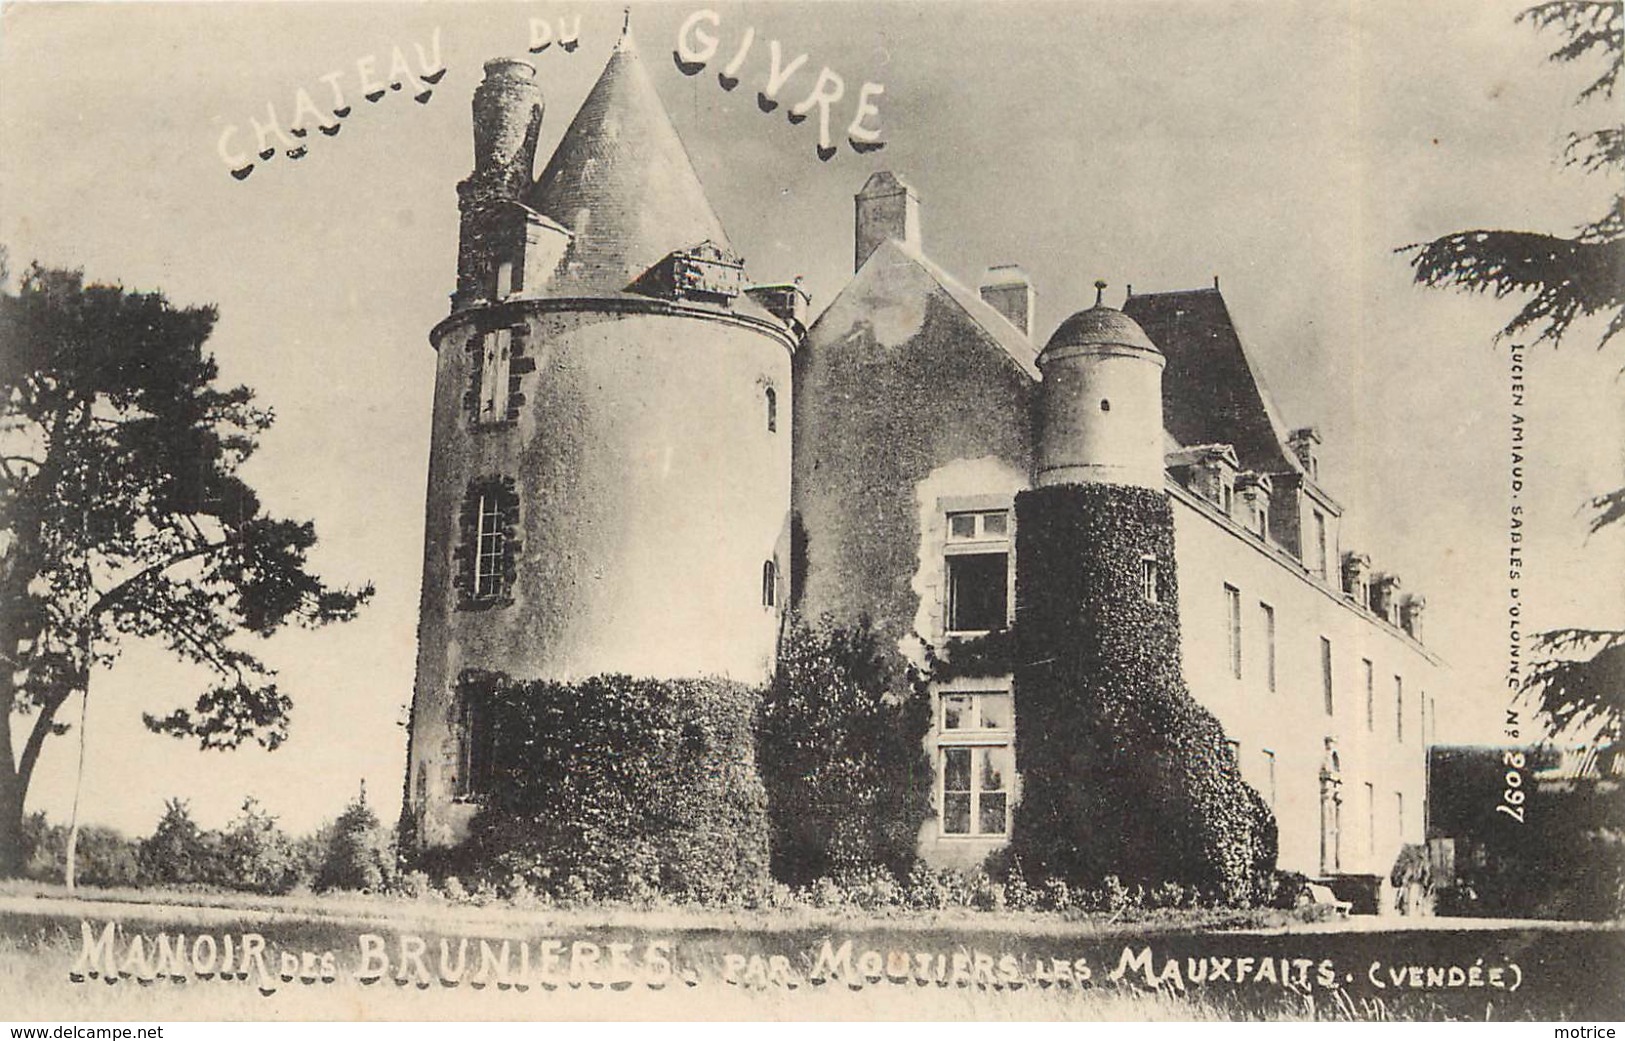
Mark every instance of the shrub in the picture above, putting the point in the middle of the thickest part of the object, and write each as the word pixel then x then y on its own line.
pixel 102 857
pixel 258 856
pixel 620 787
pixel 359 852
pixel 1123 771
pixel 1056 895
pixel 1017 893
pixel 840 736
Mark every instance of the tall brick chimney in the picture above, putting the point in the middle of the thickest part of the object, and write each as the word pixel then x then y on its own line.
pixel 1007 289
pixel 886 208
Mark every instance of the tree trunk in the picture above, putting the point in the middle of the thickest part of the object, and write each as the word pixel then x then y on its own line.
pixel 11 787
pixel 11 816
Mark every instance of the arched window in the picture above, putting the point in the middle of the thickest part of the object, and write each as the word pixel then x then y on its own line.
pixel 772 410
pixel 770 582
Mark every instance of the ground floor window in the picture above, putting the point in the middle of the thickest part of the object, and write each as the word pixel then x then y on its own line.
pixel 976 761
pixel 976 790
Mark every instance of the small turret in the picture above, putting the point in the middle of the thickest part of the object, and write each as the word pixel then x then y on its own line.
pixel 1101 418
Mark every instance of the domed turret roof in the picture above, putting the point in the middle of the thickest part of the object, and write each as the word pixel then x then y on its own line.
pixel 1100 325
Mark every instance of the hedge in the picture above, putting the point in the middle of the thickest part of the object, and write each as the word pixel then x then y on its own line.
pixel 615 786
pixel 841 742
pixel 1123 772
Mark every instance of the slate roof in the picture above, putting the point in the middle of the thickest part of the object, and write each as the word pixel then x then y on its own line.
pixel 1212 392
pixel 622 182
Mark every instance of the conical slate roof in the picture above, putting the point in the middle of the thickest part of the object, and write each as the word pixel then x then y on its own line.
pixel 621 181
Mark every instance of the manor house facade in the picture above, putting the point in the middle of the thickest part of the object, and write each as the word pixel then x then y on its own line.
pixel 641 459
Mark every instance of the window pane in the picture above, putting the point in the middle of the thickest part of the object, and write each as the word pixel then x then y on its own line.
pixel 991 818
pixel 956 769
pixel 977 592
pixel 993 767
pixel 962 525
pixel 956 814
pixel 956 712
pixel 996 711
pixel 995 524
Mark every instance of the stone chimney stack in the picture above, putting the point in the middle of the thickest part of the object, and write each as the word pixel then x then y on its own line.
pixel 1303 442
pixel 1007 289
pixel 1385 597
pixel 507 124
pixel 1411 610
pixel 1357 577
pixel 887 208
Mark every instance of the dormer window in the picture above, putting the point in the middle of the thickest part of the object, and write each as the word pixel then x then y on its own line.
pixel 504 286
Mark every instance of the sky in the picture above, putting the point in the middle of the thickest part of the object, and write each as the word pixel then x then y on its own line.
pixel 1285 148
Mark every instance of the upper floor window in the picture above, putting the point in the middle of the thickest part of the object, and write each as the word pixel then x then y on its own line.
pixel 978 571
pixel 504 279
pixel 1370 695
pixel 1269 775
pixel 1326 673
pixel 772 410
pixel 1232 610
pixel 1268 614
pixel 1399 709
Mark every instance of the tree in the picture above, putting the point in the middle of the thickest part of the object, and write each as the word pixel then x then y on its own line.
pixel 178 851
pixel 122 514
pixel 840 737
pixel 1580 682
pixel 359 853
pixel 258 856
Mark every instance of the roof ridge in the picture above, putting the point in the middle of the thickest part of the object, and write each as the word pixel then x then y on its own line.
pixel 1000 329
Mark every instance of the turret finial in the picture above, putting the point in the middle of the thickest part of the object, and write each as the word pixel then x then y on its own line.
pixel 1100 292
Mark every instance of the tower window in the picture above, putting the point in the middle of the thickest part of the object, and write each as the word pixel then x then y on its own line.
pixel 772 410
pixel 1399 709
pixel 770 583
pixel 476 747
pixel 1148 579
pixel 488 553
pixel 1105 405
pixel 496 349
pixel 490 516
pixel 1269 774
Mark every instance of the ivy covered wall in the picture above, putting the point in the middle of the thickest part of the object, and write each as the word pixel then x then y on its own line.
pixel 1123 772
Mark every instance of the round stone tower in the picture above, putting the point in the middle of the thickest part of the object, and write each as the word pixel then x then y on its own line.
pixel 609 479
pixel 1100 418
